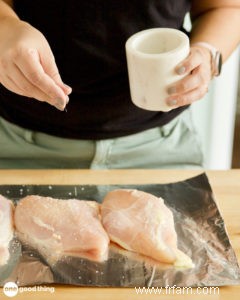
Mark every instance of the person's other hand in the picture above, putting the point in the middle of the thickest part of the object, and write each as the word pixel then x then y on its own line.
pixel 27 64
pixel 194 86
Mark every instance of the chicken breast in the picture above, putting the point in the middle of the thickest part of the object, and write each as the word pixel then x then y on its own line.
pixel 61 227
pixel 6 228
pixel 142 223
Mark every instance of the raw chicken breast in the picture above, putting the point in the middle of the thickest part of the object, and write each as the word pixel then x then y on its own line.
pixel 142 223
pixel 61 227
pixel 6 228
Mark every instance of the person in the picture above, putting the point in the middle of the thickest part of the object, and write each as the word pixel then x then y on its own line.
pixel 64 93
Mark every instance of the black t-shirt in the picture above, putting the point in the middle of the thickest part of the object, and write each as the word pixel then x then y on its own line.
pixel 88 40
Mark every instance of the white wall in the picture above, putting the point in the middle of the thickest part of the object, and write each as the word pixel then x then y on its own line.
pixel 214 116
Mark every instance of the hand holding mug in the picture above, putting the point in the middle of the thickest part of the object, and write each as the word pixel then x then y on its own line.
pixel 194 86
pixel 164 73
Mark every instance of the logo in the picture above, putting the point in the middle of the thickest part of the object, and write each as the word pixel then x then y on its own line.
pixel 10 289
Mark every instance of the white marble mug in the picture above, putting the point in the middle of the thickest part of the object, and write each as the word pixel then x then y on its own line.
pixel 152 56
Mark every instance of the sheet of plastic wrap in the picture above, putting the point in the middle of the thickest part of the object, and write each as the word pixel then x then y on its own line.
pixel 201 235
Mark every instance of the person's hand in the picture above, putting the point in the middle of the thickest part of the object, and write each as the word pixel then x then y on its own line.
pixel 194 86
pixel 27 64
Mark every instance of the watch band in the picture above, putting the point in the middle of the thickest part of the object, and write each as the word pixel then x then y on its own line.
pixel 216 57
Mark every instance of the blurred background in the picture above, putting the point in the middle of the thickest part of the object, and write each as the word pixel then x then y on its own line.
pixel 217 116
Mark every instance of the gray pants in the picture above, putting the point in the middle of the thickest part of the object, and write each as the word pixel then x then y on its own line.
pixel 174 145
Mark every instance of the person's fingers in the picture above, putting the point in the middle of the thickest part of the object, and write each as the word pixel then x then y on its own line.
pixel 24 90
pixel 190 63
pixel 187 98
pixel 31 67
pixel 194 85
pixel 28 89
pixel 197 56
pixel 49 66
pixel 10 85
pixel 66 88
pixel 18 84
pixel 188 83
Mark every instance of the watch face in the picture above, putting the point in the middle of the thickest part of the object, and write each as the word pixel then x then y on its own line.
pixel 218 63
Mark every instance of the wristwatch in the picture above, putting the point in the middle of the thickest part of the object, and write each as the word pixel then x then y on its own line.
pixel 216 57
